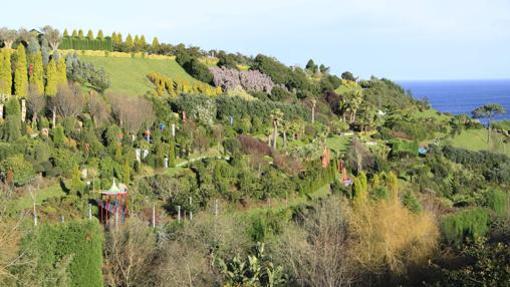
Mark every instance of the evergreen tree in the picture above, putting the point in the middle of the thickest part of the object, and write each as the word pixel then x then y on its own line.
pixel 80 34
pixel 20 73
pixel 171 155
pixel 155 44
pixel 100 35
pixel 36 72
pixel 5 72
pixel 66 34
pixel 90 35
pixel 12 127
pixel 141 43
pixel 136 43
pixel 392 182
pixel 51 78
pixel 61 71
pixel 129 42
pixel 75 33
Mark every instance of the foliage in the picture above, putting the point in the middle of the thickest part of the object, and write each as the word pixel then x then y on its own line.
pixel 64 254
pixel 194 67
pixel 20 73
pixel 21 169
pixel 86 73
pixel 471 223
pixel 252 81
pixel 174 87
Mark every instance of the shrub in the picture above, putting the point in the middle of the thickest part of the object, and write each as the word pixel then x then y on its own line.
pixel 498 201
pixel 466 224
pixel 21 169
pixel 173 87
pixel 67 254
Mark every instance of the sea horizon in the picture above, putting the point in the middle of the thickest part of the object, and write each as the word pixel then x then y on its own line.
pixel 461 96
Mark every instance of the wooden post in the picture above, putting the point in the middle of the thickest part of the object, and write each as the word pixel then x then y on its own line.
pixel 153 216
pixel 35 216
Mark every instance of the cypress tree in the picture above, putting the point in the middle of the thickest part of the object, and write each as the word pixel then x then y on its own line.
pixel 37 71
pixel 20 73
pixel 75 33
pixel 66 34
pixel 90 35
pixel 61 71
pixel 5 72
pixel 80 34
pixel 129 42
pixel 142 42
pixel 136 43
pixel 100 35
pixel 51 78
pixel 155 44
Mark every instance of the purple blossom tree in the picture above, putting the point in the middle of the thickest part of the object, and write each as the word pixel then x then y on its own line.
pixel 252 81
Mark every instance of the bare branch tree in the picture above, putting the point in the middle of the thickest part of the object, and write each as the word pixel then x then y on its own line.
pixel 68 102
pixel 132 113
pixel 52 35
pixel 35 102
pixel 97 109
pixel 8 36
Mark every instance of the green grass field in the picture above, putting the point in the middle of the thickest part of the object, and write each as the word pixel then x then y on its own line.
pixel 476 139
pixel 128 75
pixel 25 202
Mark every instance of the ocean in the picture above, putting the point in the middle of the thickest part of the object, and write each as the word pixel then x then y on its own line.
pixel 461 97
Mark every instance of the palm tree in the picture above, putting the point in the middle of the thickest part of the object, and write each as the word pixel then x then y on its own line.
pixel 488 111
pixel 276 118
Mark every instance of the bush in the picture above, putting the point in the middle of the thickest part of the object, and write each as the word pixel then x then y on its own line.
pixel 466 224
pixel 21 170
pixel 67 254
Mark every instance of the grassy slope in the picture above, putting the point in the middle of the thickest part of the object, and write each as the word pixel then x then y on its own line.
pixel 128 75
pixel 476 139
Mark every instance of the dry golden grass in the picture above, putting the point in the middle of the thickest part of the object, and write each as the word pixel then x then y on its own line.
pixel 387 236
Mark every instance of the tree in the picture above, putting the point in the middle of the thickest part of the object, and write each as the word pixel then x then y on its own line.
pixel 155 44
pixel 97 109
pixel 129 42
pixel 488 111
pixel 66 33
pixel 8 36
pixel 61 71
pixel 80 34
pixel 132 113
pixel 68 101
pixel 22 170
pixel 20 73
pixel 100 35
pixel 311 66
pixel 5 72
pixel 53 37
pixel 36 71
pixel 51 78
pixel 348 76
pixel 35 102
pixel 90 35
pixel 75 33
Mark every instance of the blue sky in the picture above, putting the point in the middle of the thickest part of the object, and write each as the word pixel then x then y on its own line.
pixel 398 39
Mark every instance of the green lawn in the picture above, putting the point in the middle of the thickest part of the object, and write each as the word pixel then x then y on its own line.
pixel 128 75
pixel 25 202
pixel 338 144
pixel 476 139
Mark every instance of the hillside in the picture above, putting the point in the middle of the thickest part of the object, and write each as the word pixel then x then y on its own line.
pixel 128 75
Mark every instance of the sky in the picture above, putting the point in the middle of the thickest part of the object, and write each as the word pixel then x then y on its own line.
pixel 396 39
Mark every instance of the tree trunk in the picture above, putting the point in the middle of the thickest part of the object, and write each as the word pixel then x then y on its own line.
pixel 284 139
pixel 313 114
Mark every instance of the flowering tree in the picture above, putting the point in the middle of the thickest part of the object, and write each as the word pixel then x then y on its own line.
pixel 253 81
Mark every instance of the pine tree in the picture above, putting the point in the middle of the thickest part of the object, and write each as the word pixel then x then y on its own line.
pixel 36 72
pixel 75 33
pixel 100 35
pixel 90 35
pixel 51 78
pixel 142 42
pixel 66 33
pixel 129 42
pixel 20 73
pixel 5 72
pixel 80 34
